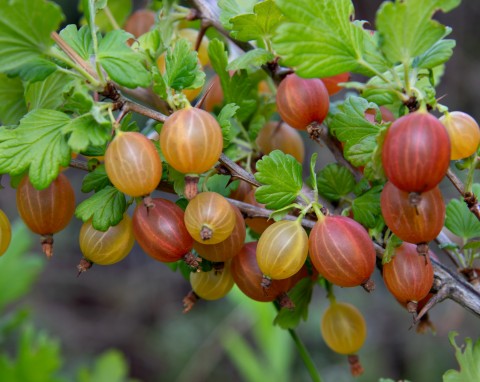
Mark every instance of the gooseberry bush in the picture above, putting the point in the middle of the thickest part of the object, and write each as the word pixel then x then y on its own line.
pixel 223 143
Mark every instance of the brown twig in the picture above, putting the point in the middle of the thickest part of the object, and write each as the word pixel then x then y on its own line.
pixel 209 12
pixel 457 183
pixel 469 197
pixel 336 150
pixel 453 287
pixel 237 172
pixel 442 238
pixel 458 289
pixel 130 105
pixel 74 56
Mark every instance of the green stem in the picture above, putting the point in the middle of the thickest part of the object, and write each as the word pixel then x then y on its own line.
pixel 242 143
pixel 470 174
pixel 317 211
pixel 366 65
pixel 268 45
pixel 110 18
pixel 243 131
pixel 55 54
pixel 304 198
pixel 93 32
pixel 406 78
pixel 330 294
pixel 396 77
pixel 306 358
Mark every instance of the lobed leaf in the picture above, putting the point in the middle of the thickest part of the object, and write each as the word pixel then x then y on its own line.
pixel 232 8
pixel 49 93
pixel 255 57
pixel 468 360
pixel 438 54
pixel 224 120
pixel 123 65
pixel 12 102
pixel 36 145
pixel 320 40
pixel 85 131
pixel 406 28
pixel 461 221
pixel 366 208
pixel 105 208
pixel 335 181
pixel 38 358
pixel 260 24
pixel 25 31
pixel 96 180
pixel 183 70
pixel 80 40
pixel 281 178
pixel 239 88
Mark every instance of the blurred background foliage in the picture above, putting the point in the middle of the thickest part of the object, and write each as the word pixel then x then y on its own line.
pixel 57 327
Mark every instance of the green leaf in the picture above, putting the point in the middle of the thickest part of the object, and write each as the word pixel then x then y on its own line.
pixel 449 246
pixel 49 93
pixel 77 98
pixel 25 31
pixel 366 208
pixel 150 43
pixel 18 268
pixel 239 88
pixel 349 123
pixel 220 184
pixel 282 212
pixel 38 359
pixel 265 109
pixel 392 243
pixel 257 25
pixel 96 180
pixel 105 208
pixel 472 245
pixel 110 366
pixel 178 180
pixel 335 181
pixel 255 57
pixel 12 103
pixel 281 178
pixel 320 40
pixel 85 131
pixel 300 294
pixel 406 28
pixel 312 180
pixel 461 221
pixel 183 70
pixel 361 137
pixel 36 145
pixel 34 70
pixel 227 112
pixel 123 65
pixel 119 9
pixel 79 40
pixel 438 54
pixel 468 360
pixel 361 153
pixel 232 8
